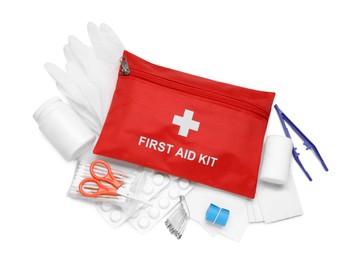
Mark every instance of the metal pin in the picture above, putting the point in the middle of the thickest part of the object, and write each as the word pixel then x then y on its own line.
pixel 177 221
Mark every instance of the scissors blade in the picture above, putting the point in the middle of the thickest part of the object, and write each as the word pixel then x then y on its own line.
pixel 126 194
pixel 139 200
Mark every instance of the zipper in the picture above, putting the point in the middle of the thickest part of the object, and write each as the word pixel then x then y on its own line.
pixel 126 71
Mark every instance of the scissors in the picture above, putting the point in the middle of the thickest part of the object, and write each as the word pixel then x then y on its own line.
pixel 102 189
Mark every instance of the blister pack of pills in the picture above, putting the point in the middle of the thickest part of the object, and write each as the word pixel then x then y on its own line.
pixel 115 215
pixel 146 218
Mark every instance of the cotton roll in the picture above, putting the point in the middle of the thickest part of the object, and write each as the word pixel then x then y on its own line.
pixel 276 160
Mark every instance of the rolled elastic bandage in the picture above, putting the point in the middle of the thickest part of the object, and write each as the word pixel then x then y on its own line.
pixel 217 215
pixel 275 167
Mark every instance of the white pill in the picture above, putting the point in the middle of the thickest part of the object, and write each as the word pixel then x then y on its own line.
pixel 183 184
pixel 106 206
pixel 158 179
pixel 173 177
pixel 148 188
pixel 154 212
pixel 164 203
pixel 143 222
pixel 173 193
pixel 115 216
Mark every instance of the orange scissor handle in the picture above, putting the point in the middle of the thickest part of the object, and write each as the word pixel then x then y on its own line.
pixel 102 190
pixel 109 177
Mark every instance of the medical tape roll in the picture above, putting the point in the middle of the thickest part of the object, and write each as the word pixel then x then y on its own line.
pixel 217 215
pixel 276 162
pixel 64 128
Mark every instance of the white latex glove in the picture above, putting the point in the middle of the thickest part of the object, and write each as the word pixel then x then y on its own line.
pixel 108 48
pixel 75 97
pixel 106 43
pixel 79 71
pixel 91 76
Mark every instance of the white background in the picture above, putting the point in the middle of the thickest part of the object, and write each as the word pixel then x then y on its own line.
pixel 299 49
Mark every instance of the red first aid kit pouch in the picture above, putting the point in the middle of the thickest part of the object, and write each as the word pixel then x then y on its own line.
pixel 195 128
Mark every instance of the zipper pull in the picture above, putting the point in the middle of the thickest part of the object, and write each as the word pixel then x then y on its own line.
pixel 125 69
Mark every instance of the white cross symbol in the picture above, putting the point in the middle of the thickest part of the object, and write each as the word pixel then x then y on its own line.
pixel 186 123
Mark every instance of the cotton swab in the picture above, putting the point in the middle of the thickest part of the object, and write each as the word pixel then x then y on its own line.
pixel 82 171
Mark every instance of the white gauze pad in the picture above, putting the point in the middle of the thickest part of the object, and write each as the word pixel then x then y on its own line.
pixel 278 202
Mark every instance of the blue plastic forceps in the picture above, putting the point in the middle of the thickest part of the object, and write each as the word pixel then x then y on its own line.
pixel 283 118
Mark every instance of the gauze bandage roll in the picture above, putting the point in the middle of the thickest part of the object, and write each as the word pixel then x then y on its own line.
pixel 64 128
pixel 276 161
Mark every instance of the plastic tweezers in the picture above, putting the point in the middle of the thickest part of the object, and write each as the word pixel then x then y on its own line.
pixel 309 145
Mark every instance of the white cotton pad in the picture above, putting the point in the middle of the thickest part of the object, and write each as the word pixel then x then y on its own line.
pixel 275 167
